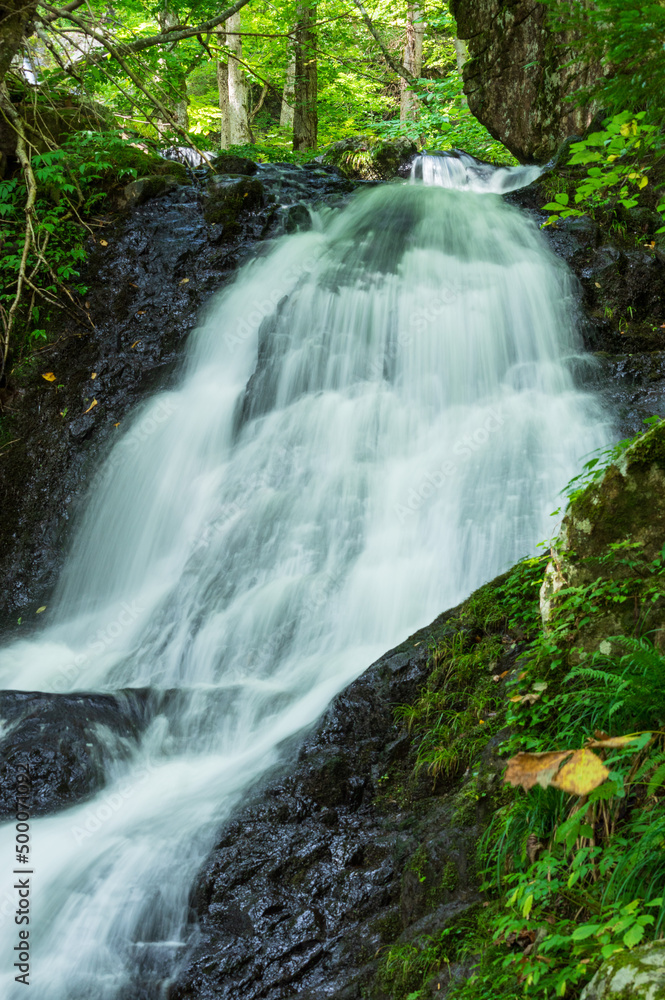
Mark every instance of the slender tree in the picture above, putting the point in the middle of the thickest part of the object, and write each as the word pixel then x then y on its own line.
pixel 412 61
pixel 177 94
pixel 286 114
pixel 223 85
pixel 305 119
pixel 237 87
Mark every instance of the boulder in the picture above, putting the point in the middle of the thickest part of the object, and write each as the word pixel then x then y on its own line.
pixel 64 742
pixel 519 74
pixel 366 158
pixel 144 188
pixel 227 163
pixel 630 975
pixel 229 194
pixel 625 506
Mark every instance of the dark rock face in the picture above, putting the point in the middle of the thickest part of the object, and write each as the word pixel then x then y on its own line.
pixel 313 878
pixel 64 742
pixel 516 78
pixel 155 269
pixel 621 311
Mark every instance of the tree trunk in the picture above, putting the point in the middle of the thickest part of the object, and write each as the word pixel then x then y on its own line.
pixel 176 92
pixel 15 24
pixel 412 62
pixel 238 124
pixel 305 83
pixel 223 84
pixel 286 115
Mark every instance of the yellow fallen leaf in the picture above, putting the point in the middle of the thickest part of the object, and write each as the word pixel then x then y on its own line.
pixel 581 774
pixel 529 769
pixel 49 376
pixel 184 281
pixel 597 284
pixel 103 243
pixel 613 742
pixel 93 375
pixel 94 403
pixel 136 342
pixel 39 610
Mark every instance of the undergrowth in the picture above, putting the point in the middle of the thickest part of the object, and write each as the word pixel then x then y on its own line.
pixel 569 880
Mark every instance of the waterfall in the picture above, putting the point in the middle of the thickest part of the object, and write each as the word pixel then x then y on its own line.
pixel 373 420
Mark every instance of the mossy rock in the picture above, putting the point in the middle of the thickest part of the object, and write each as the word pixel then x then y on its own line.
pixel 139 191
pixel 630 975
pixel 625 506
pixel 230 194
pixel 227 163
pixel 366 158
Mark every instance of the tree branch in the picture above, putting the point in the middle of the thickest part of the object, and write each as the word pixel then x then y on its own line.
pixel 394 64
pixel 15 120
pixel 173 34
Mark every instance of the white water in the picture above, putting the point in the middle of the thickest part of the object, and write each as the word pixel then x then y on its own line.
pixel 411 426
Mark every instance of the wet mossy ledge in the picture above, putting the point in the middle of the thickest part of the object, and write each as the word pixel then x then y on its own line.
pixel 390 860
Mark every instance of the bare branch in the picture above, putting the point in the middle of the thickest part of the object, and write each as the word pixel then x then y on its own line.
pixel 15 120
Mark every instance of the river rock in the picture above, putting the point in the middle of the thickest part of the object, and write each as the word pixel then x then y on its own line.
pixel 366 158
pixel 631 975
pixel 229 194
pixel 64 742
pixel 229 164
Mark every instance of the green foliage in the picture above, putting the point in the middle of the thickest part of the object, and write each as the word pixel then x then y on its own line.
pixel 625 38
pixel 73 183
pixel 445 122
pixel 569 881
pixel 618 160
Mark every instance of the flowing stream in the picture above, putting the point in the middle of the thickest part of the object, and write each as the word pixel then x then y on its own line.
pixel 263 533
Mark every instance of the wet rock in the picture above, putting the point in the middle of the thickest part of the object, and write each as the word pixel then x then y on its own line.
pixel 519 75
pixel 81 428
pixel 630 975
pixel 64 742
pixel 626 502
pixel 317 874
pixel 632 387
pixel 138 192
pixel 161 263
pixel 228 195
pixel 229 164
pixel 365 158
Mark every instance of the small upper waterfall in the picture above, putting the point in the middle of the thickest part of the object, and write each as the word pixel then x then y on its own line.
pixel 373 420
pixel 459 170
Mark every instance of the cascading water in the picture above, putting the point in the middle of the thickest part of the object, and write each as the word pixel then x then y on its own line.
pixel 263 533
